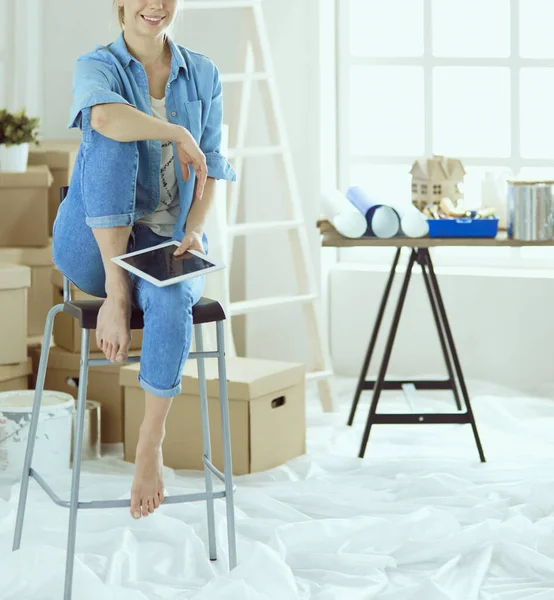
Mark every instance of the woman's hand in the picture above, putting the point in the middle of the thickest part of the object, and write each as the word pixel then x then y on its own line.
pixel 189 153
pixel 191 241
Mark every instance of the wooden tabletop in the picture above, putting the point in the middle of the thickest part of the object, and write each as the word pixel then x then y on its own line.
pixel 330 237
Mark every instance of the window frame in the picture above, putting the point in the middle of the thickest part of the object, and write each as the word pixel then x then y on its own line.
pixel 515 62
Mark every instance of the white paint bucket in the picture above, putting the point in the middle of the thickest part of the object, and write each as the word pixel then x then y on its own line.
pixel 52 446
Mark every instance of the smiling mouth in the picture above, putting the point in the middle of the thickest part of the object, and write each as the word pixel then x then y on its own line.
pixel 152 20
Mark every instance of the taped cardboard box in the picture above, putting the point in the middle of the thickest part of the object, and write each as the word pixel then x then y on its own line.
pixel 67 333
pixel 24 207
pixel 59 156
pixel 267 409
pixel 14 283
pixel 15 377
pixel 62 374
pixel 39 260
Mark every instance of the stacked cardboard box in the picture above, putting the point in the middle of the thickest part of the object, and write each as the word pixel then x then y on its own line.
pixel 267 410
pixel 24 208
pixel 25 264
pixel 14 365
pixel 39 260
pixel 59 157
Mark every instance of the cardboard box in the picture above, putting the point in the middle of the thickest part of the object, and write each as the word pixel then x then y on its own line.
pixel 39 260
pixel 15 377
pixel 24 207
pixel 59 157
pixel 67 333
pixel 62 374
pixel 14 282
pixel 267 410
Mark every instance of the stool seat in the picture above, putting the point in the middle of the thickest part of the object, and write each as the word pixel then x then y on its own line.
pixel 86 312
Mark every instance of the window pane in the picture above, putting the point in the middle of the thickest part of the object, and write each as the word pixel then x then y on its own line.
pixel 472 28
pixel 376 28
pixel 537 116
pixel 387 184
pixel 471 111
pixel 535 22
pixel 386 110
pixel 536 173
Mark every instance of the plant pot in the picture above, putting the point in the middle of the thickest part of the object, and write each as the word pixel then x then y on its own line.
pixel 14 158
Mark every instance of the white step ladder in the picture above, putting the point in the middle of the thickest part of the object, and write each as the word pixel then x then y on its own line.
pixel 258 52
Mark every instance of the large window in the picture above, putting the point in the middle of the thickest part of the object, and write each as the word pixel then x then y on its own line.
pixel 473 80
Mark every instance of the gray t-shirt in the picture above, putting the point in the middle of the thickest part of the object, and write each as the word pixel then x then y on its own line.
pixel 162 220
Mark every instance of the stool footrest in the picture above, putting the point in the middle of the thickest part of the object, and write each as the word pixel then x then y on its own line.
pixel 177 499
pixel 213 469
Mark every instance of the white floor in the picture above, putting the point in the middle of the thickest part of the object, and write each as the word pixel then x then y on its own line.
pixel 419 519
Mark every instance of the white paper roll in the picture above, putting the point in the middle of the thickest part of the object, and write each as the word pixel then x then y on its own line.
pixel 385 222
pixel 345 217
pixel 414 223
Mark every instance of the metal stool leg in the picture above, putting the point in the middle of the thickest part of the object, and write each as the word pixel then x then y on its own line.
pixel 41 375
pixel 226 433
pixel 77 448
pixel 206 441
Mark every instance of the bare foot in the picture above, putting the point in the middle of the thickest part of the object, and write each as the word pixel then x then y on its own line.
pixel 147 492
pixel 113 332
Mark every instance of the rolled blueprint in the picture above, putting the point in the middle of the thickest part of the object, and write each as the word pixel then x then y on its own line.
pixel 413 222
pixel 382 221
pixel 346 219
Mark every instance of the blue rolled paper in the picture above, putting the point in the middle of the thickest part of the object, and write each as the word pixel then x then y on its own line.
pixel 382 221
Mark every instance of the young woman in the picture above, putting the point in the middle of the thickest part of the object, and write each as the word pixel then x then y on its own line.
pixel 150 113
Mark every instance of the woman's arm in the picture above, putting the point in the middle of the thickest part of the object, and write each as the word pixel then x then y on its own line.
pixel 123 123
pixel 196 219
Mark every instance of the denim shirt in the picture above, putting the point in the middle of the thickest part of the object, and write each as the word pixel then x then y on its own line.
pixel 111 74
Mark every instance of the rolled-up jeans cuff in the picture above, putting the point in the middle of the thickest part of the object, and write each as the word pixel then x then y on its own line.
pixel 175 391
pixel 123 220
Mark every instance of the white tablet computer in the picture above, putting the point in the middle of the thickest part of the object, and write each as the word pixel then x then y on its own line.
pixel 158 265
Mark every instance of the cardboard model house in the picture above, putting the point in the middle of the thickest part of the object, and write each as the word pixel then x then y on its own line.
pixel 435 178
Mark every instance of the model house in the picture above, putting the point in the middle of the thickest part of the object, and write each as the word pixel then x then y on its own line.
pixel 435 178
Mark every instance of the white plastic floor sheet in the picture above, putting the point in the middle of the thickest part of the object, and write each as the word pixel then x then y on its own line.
pixel 419 519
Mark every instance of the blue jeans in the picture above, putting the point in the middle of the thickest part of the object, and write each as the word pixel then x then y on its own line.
pixel 167 311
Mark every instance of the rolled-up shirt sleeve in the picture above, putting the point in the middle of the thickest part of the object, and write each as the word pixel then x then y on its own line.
pixel 210 142
pixel 93 83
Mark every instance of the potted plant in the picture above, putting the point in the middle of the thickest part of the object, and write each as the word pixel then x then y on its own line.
pixel 17 131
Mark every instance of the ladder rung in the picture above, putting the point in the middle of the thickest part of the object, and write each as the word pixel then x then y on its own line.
pixel 315 375
pixel 246 228
pixel 241 308
pixel 241 77
pixel 213 4
pixel 255 151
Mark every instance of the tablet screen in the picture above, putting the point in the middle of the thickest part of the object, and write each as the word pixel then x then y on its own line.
pixel 162 265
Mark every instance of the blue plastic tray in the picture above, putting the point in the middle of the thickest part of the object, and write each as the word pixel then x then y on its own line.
pixel 483 228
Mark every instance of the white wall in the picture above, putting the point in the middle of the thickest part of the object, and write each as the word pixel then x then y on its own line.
pixel 502 324
pixel 71 28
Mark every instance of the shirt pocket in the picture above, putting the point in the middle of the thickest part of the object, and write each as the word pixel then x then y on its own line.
pixel 194 113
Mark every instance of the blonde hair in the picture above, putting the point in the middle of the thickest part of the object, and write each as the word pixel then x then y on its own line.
pixel 120 13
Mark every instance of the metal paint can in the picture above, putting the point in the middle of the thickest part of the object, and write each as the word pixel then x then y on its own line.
pixel 530 210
